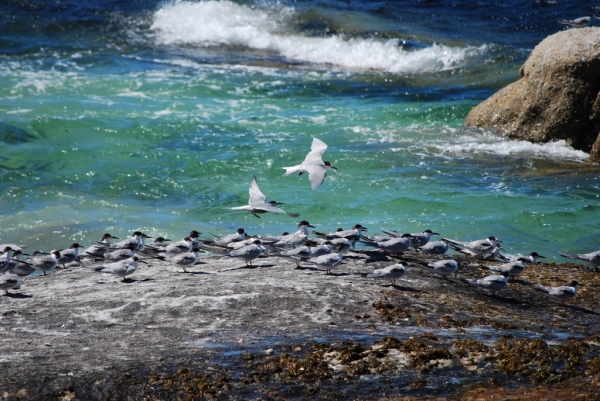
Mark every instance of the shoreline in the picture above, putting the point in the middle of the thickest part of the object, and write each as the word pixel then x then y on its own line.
pixel 276 332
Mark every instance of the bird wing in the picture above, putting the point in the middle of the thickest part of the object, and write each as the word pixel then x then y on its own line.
pixel 256 197
pixel 316 151
pixel 316 174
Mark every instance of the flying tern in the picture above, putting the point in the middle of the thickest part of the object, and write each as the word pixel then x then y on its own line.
pixel 257 203
pixel 313 164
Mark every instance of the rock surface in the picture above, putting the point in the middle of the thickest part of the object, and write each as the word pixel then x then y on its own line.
pixel 557 97
pixel 275 332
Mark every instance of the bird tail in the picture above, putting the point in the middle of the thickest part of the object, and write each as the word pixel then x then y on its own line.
pixel 453 241
pixel 541 288
pixel 292 170
pixel 568 255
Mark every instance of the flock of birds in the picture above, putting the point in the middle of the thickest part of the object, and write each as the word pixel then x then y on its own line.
pixel 324 250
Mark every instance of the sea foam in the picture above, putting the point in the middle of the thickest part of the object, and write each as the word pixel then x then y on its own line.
pixel 223 23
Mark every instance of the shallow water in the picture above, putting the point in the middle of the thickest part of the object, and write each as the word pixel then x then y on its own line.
pixel 118 116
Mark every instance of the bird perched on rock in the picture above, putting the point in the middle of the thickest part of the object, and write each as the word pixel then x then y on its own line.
pixel 444 267
pixel 8 281
pixel 434 248
pixel 69 255
pixel 183 259
pixel 44 262
pixel 392 273
pixel 577 22
pixel 257 203
pixel 561 293
pixel 329 261
pixel 590 259
pixel 514 268
pixel 494 283
pixel 482 247
pixel 313 164
pixel 122 268
pixel 248 253
pixel 101 247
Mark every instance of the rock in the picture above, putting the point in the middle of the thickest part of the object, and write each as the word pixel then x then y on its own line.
pixel 557 97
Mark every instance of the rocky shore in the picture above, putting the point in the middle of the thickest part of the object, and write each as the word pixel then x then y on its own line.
pixel 273 332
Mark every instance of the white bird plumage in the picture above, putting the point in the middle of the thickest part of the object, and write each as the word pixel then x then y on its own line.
pixel 313 164
pixel 257 203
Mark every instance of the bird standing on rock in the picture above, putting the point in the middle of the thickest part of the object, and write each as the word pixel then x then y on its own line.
pixel 391 273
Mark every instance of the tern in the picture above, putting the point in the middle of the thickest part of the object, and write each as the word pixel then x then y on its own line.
pixel 577 22
pixel 421 239
pixel 69 255
pixel 239 235
pixel 118 254
pixel 20 268
pixel 392 246
pixel 5 261
pixel 328 261
pixel 122 268
pixel 478 247
pixel 444 267
pixel 44 262
pixel 494 283
pixel 137 239
pixel 562 293
pixel 257 203
pixel 249 252
pixel 8 281
pixel 590 259
pixel 353 235
pixel 184 259
pixel 300 254
pixel 291 240
pixel 434 248
pixel 313 164
pixel 391 273
pixel 514 268
pixel 101 247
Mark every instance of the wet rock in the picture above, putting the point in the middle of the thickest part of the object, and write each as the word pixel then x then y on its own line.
pixel 557 97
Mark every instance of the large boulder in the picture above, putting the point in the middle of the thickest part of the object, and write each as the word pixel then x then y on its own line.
pixel 557 97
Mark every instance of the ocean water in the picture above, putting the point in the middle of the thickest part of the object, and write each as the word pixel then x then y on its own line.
pixel 155 115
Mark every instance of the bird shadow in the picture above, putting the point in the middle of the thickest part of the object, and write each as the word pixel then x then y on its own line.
pixel 315 269
pixel 582 310
pixel 17 295
pixel 402 288
pixel 132 281
pixel 198 272
pixel 336 274
pixel 508 300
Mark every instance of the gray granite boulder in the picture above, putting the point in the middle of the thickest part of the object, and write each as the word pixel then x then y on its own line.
pixel 557 97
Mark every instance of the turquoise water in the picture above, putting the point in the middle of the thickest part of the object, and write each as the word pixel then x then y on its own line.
pixel 158 118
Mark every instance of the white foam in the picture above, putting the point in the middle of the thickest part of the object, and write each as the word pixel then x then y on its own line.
pixel 504 147
pixel 211 23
